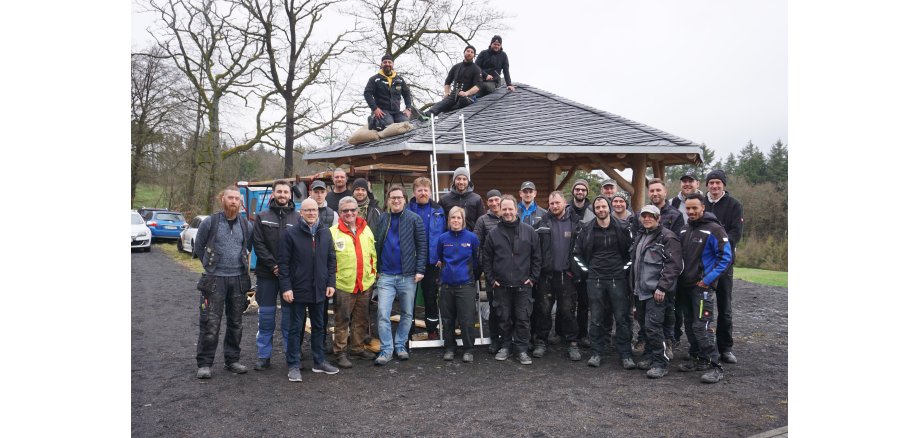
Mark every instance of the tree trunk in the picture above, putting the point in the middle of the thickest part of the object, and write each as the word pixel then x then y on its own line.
pixel 289 137
pixel 189 198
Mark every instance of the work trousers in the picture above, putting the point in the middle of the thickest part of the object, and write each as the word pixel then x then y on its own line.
pixel 267 291
pixel 557 288
pixel 351 321
pixel 698 313
pixel 652 314
pixel 513 308
pixel 616 293
pixel 223 295
pixel 458 307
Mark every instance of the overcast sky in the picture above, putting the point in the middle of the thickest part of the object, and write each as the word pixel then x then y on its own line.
pixel 712 72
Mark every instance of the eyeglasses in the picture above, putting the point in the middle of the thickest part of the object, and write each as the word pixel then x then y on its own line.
pixel 396 198
pixel 308 210
pixel 580 190
pixel 349 210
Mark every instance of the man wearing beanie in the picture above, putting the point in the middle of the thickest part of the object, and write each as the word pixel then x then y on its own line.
pixel 484 225
pixel 579 202
pixel 492 62
pixel 463 82
pixel 461 195
pixel 621 212
pixel 382 94
pixel 367 207
pixel 731 214
pixel 583 208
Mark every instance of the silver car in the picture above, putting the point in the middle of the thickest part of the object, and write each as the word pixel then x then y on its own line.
pixel 186 242
pixel 140 234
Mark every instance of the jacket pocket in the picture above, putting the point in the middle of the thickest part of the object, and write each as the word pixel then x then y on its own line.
pixel 206 284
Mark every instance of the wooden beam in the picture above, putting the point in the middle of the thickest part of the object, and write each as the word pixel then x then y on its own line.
pixel 483 163
pixel 568 177
pixel 638 196
pixel 658 169
pixel 625 185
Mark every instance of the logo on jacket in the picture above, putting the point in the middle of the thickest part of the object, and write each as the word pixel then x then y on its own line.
pixel 340 244
pixel 466 245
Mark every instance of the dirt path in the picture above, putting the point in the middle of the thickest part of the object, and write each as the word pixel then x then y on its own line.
pixel 427 396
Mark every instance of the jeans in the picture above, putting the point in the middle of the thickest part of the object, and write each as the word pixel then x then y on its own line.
pixel 390 288
pixel 458 305
pixel 226 294
pixel 267 297
pixel 559 288
pixel 513 308
pixel 615 292
pixel 724 341
pixel 296 331
pixel 652 314
pixel 351 321
pixel 699 312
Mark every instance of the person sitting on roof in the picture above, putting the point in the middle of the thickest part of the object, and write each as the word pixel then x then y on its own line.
pixel 463 82
pixel 493 61
pixel 382 94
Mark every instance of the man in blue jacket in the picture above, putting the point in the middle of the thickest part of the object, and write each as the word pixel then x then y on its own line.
pixel 402 251
pixel 435 224
pixel 706 254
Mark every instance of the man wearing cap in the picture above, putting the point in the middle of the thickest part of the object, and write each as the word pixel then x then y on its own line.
pixel 382 94
pixel 608 188
pixel 530 213
pixel 688 185
pixel 493 61
pixel 463 82
pixel 583 208
pixel 367 206
pixel 657 262
pixel 339 189
pixel 435 224
pixel 461 195
pixel 731 215
pixel 327 216
pixel 484 225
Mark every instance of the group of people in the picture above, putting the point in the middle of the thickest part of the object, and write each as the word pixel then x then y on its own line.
pixel 583 269
pixel 465 83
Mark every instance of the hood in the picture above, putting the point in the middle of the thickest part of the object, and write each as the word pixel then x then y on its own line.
pixel 469 189
pixel 274 205
pixel 707 218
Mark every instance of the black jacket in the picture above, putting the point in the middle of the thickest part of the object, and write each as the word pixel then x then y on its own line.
pixel 586 213
pixel 466 75
pixel 494 63
pixel 730 214
pixel 584 247
pixel 378 93
pixel 299 248
pixel 658 265
pixel 267 232
pixel 670 218
pixel 511 262
pixel 544 231
pixel 468 200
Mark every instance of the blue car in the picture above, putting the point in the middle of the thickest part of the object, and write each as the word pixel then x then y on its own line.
pixel 166 224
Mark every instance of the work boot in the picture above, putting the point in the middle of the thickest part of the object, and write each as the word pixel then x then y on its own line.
pixel 236 368
pixel 668 350
pixel 713 375
pixel 639 348
pixel 656 373
pixel 595 361
pixel 629 364
pixel 263 364
pixel 342 361
pixel 502 354
pixel 524 359
pixel 449 355
pixel 644 364
pixel 694 365
pixel 728 357
pixel 494 346
pixel 539 349
pixel 467 357
pixel 365 354
pixel 294 375
pixel 203 373
pixel 574 353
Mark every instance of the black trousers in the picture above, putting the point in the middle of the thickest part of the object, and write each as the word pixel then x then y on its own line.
pixel 221 295
pixel 556 288
pixel 615 292
pixel 458 307
pixel 699 313
pixel 450 103
pixel 430 296
pixel 724 340
pixel 652 316
pixel 513 308
pixel 582 308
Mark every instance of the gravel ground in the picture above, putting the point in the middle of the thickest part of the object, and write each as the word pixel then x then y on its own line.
pixel 430 397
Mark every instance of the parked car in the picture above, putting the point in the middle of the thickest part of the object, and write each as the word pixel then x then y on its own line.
pixel 146 212
pixel 166 224
pixel 140 234
pixel 186 242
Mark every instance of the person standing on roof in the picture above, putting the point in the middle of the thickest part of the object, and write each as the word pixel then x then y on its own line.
pixel 492 62
pixel 382 94
pixel 435 224
pixel 463 82
pixel 531 213
pixel 461 195
pixel 339 189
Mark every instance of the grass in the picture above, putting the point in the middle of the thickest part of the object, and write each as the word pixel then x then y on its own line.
pixel 183 258
pixel 760 276
pixel 148 195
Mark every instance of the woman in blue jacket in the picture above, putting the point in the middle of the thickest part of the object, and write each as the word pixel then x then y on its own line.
pixel 457 256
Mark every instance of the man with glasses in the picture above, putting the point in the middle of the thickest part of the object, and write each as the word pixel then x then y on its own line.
pixel 402 248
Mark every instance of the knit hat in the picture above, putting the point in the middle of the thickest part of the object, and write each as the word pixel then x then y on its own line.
pixel 461 171
pixel 360 183
pixel 621 194
pixel 386 57
pixel 579 182
pixel 493 193
pixel 469 46
pixel 496 38
pixel 718 174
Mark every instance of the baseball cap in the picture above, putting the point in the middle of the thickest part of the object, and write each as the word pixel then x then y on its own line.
pixel 318 184
pixel 528 185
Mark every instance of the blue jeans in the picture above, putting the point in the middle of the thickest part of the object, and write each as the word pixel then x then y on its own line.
pixel 317 332
pixel 398 287
pixel 267 297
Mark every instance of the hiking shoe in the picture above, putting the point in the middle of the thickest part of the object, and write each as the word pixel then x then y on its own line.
pixel 629 364
pixel 713 375
pixel 668 350
pixel 539 349
pixel 502 354
pixel 595 361
pixel 383 359
pixel 467 357
pixel 524 359
pixel 343 362
pixel 449 355
pixel 644 364
pixel 402 355
pixel 639 348
pixel 203 373
pixel 262 364
pixel 494 346
pixel 364 354
pixel 236 368
pixel 729 357
pixel 695 365
pixel 325 367
pixel 294 375
pixel 656 373
pixel 574 352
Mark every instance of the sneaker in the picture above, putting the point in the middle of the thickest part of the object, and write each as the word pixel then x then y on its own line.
pixel 494 346
pixel 203 373
pixel 595 361
pixel 639 348
pixel 629 363
pixel 656 373
pixel 294 375
pixel 325 367
pixel 668 350
pixel 236 368
pixel 449 355
pixel 524 359
pixel 383 359
pixel 262 364
pixel 695 365
pixel 729 357
pixel 364 354
pixel 713 375
pixel 467 357
pixel 402 355
pixel 644 364
pixel 574 352
pixel 539 349
pixel 343 362
pixel 502 354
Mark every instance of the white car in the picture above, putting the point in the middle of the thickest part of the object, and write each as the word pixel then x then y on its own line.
pixel 140 234
pixel 186 241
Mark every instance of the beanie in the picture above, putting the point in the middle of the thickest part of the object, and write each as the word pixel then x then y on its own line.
pixel 718 174
pixel 360 183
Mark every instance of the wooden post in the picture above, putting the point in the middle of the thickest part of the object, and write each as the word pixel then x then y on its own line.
pixel 658 169
pixel 638 181
pixel 622 183
pixel 568 177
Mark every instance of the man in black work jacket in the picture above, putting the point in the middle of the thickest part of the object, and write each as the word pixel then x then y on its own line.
pixel 493 62
pixel 382 94
pixel 462 83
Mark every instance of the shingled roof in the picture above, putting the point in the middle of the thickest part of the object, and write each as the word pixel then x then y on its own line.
pixel 527 120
